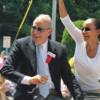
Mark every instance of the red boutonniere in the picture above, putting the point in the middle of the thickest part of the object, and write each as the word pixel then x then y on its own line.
pixel 50 56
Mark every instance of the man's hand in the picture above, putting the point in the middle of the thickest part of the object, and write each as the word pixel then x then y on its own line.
pixel 38 80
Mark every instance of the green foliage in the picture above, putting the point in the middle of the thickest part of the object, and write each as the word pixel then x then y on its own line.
pixel 71 62
pixel 97 14
pixel 68 41
pixel 82 9
pixel 26 29
pixel 12 12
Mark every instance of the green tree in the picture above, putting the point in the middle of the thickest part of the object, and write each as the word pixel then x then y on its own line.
pixel 12 12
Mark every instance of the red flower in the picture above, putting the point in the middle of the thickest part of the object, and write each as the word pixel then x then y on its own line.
pixel 50 56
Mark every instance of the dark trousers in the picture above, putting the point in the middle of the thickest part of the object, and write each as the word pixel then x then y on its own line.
pixel 53 97
pixel 34 95
pixel 24 96
pixel 38 97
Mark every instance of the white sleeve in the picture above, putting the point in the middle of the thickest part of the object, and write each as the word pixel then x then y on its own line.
pixel 25 80
pixel 75 33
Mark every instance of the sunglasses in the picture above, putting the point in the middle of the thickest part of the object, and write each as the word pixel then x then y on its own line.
pixel 85 29
pixel 39 29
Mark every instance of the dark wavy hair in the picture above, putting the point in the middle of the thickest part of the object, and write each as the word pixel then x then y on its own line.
pixel 97 24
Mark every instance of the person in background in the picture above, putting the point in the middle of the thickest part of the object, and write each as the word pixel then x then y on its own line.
pixel 2 58
pixel 64 90
pixel 2 89
pixel 87 53
pixel 37 62
pixel 6 86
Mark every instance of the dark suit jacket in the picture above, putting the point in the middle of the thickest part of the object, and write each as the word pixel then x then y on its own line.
pixel 22 61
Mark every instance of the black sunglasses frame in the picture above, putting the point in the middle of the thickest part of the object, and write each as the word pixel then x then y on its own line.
pixel 85 29
pixel 39 29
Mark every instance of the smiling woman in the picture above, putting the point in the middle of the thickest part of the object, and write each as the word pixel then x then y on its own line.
pixel 91 31
pixel 87 53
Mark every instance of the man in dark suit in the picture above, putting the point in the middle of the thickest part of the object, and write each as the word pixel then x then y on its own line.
pixel 23 65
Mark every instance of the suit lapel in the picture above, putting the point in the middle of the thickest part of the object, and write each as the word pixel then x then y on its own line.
pixel 52 65
pixel 32 54
pixel 51 48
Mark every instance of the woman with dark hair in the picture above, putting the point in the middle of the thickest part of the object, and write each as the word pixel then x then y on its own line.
pixel 87 53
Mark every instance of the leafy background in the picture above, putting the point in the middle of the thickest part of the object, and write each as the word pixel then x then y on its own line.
pixel 12 12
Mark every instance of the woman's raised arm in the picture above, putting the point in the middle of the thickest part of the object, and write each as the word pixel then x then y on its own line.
pixel 62 9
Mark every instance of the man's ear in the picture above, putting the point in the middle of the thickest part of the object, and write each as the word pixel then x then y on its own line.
pixel 50 31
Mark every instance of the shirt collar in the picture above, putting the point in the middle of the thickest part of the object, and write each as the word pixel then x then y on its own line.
pixel 44 45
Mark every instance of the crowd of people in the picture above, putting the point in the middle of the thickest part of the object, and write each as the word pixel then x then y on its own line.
pixel 40 68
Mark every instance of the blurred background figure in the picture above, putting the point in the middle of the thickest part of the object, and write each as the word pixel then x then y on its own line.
pixel 2 90
pixel 2 80
pixel 7 88
pixel 2 58
pixel 64 90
